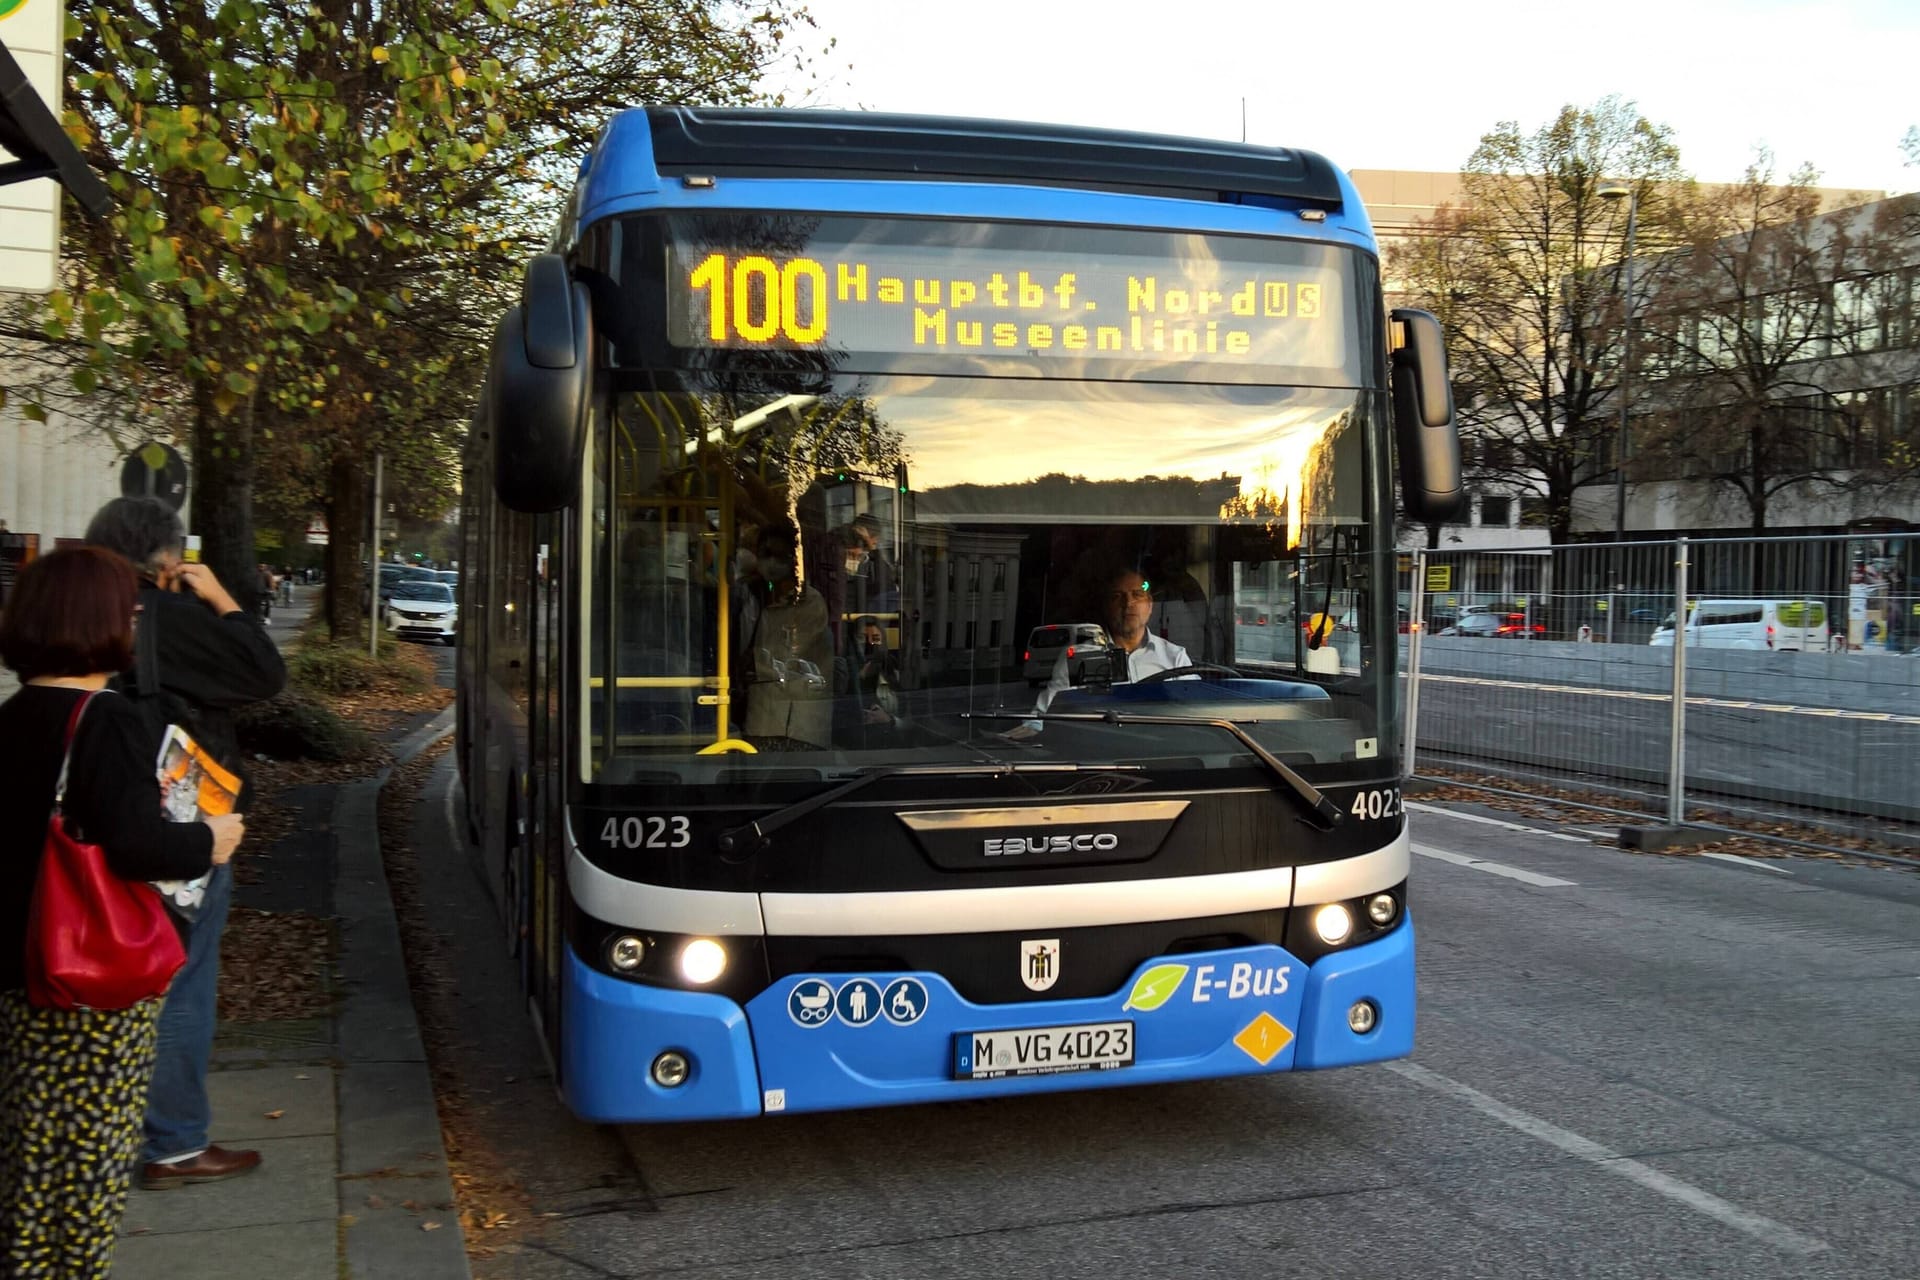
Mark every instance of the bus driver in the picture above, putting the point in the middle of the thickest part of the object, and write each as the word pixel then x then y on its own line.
pixel 1128 606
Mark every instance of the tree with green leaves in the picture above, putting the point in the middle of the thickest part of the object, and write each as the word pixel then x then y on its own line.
pixel 320 208
pixel 1515 274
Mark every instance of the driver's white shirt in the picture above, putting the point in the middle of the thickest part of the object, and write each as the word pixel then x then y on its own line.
pixel 1156 653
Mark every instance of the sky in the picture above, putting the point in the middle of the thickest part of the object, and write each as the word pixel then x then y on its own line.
pixel 1398 85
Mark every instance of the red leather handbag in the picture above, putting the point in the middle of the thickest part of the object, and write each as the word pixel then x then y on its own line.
pixel 94 939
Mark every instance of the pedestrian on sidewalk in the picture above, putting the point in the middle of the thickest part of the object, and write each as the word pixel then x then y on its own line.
pixel 212 658
pixel 264 588
pixel 73 1082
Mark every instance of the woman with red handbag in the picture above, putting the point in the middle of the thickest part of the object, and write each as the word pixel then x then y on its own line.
pixel 86 946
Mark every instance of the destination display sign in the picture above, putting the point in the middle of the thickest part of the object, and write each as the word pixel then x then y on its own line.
pixel 1206 303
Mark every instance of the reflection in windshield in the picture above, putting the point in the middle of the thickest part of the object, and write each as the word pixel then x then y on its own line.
pixel 856 573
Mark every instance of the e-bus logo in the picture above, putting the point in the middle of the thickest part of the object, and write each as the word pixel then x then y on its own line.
pixel 1013 846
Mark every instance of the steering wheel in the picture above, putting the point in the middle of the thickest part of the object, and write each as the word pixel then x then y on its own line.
pixel 1174 673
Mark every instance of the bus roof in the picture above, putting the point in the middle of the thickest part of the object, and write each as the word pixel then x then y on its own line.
pixel 642 148
pixel 745 141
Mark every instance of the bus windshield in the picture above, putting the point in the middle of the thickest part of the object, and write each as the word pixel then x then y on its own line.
pixel 794 576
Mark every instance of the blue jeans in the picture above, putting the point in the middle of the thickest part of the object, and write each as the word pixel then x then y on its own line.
pixel 178 1112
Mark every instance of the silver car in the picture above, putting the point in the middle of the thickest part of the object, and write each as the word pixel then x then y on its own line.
pixel 1046 644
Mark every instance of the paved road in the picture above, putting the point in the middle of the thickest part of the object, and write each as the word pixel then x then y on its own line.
pixel 1627 1066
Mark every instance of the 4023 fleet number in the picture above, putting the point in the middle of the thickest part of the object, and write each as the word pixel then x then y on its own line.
pixel 655 831
pixel 1380 802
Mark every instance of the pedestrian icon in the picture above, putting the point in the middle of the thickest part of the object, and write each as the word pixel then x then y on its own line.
pixel 904 1001
pixel 858 1002
pixel 810 1003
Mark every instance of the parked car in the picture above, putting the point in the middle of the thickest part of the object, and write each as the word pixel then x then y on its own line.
pixel 1496 626
pixel 1046 644
pixel 422 610
pixel 1784 625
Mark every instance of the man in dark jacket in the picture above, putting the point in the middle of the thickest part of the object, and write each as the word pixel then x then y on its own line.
pixel 211 657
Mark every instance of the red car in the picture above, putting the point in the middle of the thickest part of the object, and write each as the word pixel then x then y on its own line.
pixel 1504 626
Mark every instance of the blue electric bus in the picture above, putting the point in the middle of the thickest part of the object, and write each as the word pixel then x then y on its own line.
pixel 808 433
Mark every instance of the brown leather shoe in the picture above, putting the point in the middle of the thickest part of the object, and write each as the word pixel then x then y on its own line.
pixel 215 1164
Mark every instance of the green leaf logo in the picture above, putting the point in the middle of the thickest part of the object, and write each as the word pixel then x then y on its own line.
pixel 1155 987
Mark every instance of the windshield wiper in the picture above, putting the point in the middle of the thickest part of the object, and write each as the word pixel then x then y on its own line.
pixel 751 837
pixel 1327 813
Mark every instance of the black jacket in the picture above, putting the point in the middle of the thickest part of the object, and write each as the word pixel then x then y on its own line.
pixel 209 666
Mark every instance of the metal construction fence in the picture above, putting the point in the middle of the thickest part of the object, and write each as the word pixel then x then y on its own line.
pixel 1796 682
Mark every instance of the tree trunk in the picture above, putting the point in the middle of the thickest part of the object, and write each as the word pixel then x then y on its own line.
pixel 1757 467
pixel 347 502
pixel 223 495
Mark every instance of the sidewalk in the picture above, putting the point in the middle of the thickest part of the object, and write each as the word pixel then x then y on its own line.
pixel 354 1182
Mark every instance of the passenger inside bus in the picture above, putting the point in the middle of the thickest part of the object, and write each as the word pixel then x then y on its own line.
pixel 786 649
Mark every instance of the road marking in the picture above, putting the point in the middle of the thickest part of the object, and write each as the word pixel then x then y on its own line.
pixel 1747 862
pixel 1494 822
pixel 1760 1228
pixel 1493 868
pixel 1693 700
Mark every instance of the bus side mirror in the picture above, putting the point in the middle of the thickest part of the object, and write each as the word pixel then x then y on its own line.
pixel 1423 429
pixel 540 389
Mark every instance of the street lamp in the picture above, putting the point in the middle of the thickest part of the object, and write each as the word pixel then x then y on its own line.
pixel 1611 191
pixel 1623 191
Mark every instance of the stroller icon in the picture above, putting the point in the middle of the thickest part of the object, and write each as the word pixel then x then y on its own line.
pixel 811 1003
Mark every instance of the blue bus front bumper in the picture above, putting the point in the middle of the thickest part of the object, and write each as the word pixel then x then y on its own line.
pixel 1195 1016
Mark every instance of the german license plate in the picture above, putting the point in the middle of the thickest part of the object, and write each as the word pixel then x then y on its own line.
pixel 1042 1051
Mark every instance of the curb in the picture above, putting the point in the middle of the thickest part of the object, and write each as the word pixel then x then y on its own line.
pixel 391 1152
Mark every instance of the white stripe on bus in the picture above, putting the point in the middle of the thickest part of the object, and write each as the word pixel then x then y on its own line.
pixel 638 905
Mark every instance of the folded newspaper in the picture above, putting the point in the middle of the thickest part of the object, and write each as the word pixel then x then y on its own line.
pixel 193 786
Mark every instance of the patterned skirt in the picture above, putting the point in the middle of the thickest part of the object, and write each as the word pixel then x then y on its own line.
pixel 73 1089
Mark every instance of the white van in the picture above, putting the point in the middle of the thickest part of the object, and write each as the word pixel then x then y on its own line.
pixel 1784 625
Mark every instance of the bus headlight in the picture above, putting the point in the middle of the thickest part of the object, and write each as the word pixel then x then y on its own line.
pixel 1333 923
pixel 626 952
pixel 1362 1017
pixel 1381 909
pixel 702 961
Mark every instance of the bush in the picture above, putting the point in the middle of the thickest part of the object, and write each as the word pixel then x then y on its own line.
pixel 328 669
pixel 293 726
